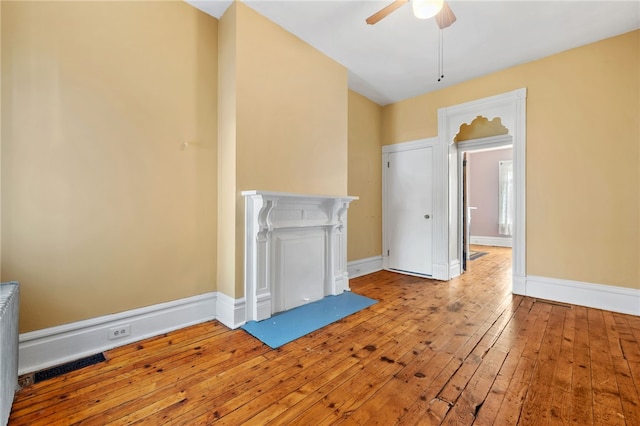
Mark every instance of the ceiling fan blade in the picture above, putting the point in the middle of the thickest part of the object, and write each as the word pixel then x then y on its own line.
pixel 382 13
pixel 445 17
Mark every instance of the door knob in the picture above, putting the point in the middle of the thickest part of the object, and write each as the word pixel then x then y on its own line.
pixel 426 216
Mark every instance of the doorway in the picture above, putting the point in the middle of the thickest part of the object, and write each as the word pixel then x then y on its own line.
pixel 486 191
pixel 511 108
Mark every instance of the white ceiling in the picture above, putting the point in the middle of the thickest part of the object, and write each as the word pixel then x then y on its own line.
pixel 396 58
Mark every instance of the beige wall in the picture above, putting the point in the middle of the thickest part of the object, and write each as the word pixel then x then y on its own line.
pixel 583 158
pixel 102 211
pixel 292 112
pixel 227 109
pixel 365 178
pixel 290 123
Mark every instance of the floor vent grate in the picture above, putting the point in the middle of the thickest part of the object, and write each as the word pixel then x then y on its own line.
pixel 59 370
pixel 473 255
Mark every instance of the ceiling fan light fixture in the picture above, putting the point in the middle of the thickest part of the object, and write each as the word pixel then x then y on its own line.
pixel 425 9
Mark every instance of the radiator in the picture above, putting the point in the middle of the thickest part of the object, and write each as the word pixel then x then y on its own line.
pixel 9 306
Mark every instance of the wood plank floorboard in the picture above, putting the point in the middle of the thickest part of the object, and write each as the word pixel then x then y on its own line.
pixel 464 352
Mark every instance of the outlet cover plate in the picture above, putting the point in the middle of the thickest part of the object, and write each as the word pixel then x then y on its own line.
pixel 120 331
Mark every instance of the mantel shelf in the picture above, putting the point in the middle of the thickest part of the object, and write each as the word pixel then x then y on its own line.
pixel 274 194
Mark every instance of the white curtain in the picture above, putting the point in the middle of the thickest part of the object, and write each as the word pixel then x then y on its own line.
pixel 505 197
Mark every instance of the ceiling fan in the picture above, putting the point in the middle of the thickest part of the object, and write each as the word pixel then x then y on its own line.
pixel 422 9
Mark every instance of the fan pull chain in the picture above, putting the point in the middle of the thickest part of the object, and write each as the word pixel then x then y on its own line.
pixel 440 55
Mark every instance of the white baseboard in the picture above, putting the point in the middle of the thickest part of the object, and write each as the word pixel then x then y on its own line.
pixel 56 345
pixel 610 298
pixel 491 241
pixel 441 271
pixel 369 265
pixel 231 312
pixel 519 285
pixel 455 268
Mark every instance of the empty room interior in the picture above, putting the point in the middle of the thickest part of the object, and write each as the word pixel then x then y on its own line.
pixel 319 212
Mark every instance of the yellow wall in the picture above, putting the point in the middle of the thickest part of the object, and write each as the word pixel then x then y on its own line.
pixel 292 112
pixel 102 211
pixel 290 123
pixel 227 110
pixel 583 155
pixel 365 178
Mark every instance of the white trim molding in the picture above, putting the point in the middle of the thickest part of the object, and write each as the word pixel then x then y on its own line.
pixel 360 267
pixel 491 241
pixel 486 144
pixel 56 345
pixel 510 107
pixel 231 312
pixel 599 296
pixel 519 284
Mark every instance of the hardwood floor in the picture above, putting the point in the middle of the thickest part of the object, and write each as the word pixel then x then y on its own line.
pixel 461 352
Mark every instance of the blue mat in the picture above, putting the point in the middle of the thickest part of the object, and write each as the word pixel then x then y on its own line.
pixel 287 326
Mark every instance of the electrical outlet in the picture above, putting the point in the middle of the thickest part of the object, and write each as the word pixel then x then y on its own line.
pixel 120 331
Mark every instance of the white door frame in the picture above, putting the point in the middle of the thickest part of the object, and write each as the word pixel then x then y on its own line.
pixel 510 107
pixel 437 222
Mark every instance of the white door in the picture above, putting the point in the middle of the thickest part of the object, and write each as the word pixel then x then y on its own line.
pixel 408 209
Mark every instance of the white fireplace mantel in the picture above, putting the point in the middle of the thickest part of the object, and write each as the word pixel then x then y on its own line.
pixel 295 250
